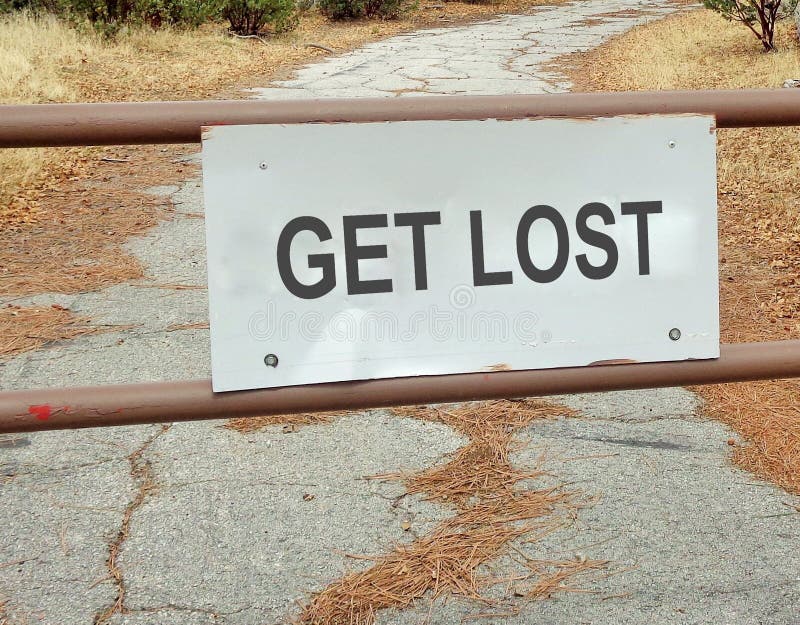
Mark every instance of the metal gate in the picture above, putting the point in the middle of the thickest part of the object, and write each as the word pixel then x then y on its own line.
pixel 54 125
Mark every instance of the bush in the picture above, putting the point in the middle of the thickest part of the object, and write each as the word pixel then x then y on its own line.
pixel 248 17
pixel 354 9
pixel 758 15
pixel 111 15
pixel 51 6
pixel 155 13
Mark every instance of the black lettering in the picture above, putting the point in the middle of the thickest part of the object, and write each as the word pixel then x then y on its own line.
pixel 353 252
pixel 642 210
pixel 542 211
pixel 596 239
pixel 321 261
pixel 480 277
pixel 418 221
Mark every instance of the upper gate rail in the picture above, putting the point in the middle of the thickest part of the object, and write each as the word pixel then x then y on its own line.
pixel 54 125
pixel 57 125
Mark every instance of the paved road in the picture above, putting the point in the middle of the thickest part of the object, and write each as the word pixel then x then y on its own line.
pixel 211 525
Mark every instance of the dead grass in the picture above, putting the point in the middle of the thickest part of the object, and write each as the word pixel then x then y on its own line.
pixel 691 50
pixel 759 198
pixel 491 513
pixel 32 53
pixel 26 328
pixel 42 59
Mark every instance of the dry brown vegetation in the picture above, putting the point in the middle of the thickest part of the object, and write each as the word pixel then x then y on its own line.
pixel 74 244
pixel 25 328
pixel 759 198
pixel 290 422
pixel 492 511
pixel 45 60
pixel 482 467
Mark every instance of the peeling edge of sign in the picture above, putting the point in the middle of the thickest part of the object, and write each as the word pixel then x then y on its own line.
pixel 613 361
pixel 500 366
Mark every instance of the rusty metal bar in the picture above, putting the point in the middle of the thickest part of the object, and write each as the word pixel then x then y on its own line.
pixel 40 125
pixel 53 409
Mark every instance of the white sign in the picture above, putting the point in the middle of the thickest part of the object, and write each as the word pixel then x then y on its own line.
pixel 372 250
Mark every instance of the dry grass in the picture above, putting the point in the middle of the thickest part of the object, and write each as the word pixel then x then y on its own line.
pixel 491 512
pixel 33 53
pixel 691 50
pixel 759 198
pixel 43 59
pixel 22 329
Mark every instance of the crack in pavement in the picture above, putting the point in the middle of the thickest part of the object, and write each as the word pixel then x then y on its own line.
pixel 475 59
pixel 170 607
pixel 142 475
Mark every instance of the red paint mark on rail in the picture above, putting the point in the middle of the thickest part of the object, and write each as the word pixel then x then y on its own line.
pixel 40 412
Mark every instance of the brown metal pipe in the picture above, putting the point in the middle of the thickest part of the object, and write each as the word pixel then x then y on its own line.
pixel 41 125
pixel 53 409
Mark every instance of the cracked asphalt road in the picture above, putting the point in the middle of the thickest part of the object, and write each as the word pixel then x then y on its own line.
pixel 207 525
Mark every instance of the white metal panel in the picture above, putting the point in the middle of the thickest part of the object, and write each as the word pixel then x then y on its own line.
pixel 257 179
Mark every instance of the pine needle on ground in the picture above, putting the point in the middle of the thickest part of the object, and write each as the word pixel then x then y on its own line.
pixel 247 425
pixel 491 512
pixel 26 328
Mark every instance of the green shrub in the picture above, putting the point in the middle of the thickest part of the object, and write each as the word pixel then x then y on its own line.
pixel 57 7
pixel 354 9
pixel 7 6
pixel 110 15
pixel 341 9
pixel 155 13
pixel 248 17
